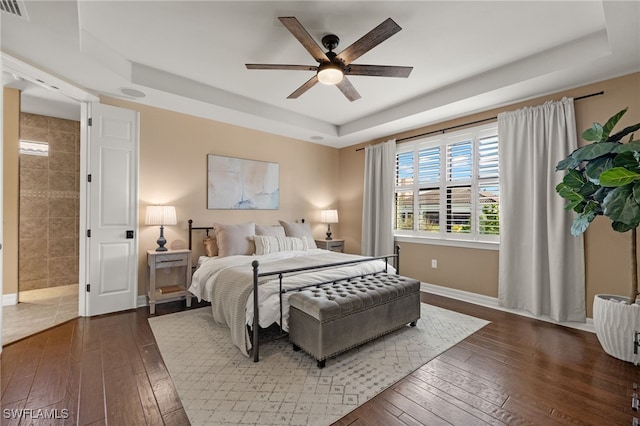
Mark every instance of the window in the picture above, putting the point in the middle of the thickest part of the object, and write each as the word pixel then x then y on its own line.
pixel 34 148
pixel 447 186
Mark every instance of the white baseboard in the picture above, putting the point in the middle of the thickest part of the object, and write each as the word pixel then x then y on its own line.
pixel 10 299
pixel 142 301
pixel 492 302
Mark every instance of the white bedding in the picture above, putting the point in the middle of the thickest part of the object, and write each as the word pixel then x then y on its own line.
pixel 206 276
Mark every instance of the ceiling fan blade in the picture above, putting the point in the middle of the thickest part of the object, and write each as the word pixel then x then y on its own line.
pixel 281 67
pixel 378 70
pixel 306 86
pixel 348 90
pixel 298 31
pixel 369 41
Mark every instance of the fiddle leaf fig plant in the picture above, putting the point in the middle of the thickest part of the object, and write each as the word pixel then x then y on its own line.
pixel 603 178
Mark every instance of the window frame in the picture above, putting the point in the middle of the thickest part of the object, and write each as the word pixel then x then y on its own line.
pixel 442 237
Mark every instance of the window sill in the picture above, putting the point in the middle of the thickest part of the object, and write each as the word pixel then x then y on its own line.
pixel 451 243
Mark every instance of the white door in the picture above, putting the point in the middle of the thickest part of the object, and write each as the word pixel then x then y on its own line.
pixel 112 213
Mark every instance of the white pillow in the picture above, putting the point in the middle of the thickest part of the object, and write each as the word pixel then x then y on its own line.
pixel 272 230
pixel 299 230
pixel 266 244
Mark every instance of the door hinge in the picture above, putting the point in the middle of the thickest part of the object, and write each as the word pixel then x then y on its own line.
pixel 89 233
pixel 89 178
pixel 90 121
pixel 88 288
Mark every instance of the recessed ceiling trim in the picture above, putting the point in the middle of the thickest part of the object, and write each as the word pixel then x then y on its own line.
pixel 160 80
pixel 45 79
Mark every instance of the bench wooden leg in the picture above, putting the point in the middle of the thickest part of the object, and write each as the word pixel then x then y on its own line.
pixel 322 363
pixel 296 348
pixel 413 324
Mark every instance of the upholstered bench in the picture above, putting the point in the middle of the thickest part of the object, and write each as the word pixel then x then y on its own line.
pixel 332 318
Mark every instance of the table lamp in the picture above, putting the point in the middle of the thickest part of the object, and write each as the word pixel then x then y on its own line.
pixel 329 217
pixel 161 215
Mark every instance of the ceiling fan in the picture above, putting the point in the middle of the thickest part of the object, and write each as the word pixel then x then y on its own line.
pixel 333 68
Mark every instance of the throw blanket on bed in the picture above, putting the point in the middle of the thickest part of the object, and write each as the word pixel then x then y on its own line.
pixel 228 283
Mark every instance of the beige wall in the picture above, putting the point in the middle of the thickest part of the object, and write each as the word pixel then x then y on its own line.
pixel 11 130
pixel 173 168
pixel 607 252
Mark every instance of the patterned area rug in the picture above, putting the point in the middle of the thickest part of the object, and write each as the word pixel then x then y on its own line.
pixel 220 386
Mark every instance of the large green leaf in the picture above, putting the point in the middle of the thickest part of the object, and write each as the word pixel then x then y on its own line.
pixel 581 223
pixel 633 146
pixel 574 179
pixel 569 193
pixel 588 189
pixel 628 160
pixel 621 227
pixel 601 194
pixel 597 166
pixel 594 133
pixel 620 205
pixel 618 176
pixel 594 150
pixel 627 130
pixel 611 123
pixel 568 163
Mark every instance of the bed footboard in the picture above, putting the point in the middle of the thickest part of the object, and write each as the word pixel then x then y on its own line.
pixel 256 275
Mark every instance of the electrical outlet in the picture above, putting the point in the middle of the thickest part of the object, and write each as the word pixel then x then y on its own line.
pixel 434 263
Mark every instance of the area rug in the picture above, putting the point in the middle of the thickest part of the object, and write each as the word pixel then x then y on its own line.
pixel 220 386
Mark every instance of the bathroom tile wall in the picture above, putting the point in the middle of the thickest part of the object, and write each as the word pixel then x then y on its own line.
pixel 49 204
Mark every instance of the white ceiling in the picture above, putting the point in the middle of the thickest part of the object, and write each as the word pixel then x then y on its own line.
pixel 190 56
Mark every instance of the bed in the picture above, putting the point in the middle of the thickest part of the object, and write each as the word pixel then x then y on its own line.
pixel 269 263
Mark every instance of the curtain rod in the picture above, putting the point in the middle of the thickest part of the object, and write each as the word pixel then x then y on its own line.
pixel 475 122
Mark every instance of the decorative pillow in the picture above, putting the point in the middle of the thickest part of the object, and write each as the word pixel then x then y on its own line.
pixel 210 246
pixel 273 230
pixel 266 244
pixel 300 230
pixel 235 239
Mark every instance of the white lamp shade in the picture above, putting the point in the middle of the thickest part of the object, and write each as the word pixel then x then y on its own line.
pixel 329 216
pixel 161 215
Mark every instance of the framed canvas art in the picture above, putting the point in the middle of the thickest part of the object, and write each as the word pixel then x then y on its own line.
pixel 240 184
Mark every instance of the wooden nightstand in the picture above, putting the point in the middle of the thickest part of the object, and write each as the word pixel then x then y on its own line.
pixel 157 260
pixel 333 245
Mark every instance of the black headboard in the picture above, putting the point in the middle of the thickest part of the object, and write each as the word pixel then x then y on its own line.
pixel 196 228
pixel 202 228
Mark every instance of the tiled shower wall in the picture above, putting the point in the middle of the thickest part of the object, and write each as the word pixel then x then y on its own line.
pixel 49 204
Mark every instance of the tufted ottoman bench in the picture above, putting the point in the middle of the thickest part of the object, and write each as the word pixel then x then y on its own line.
pixel 338 316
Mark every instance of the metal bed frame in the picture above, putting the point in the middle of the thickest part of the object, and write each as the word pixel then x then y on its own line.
pixel 282 273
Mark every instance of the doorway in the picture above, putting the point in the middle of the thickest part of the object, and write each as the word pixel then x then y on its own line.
pixel 45 291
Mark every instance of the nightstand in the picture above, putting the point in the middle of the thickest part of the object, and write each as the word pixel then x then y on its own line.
pixel 332 245
pixel 161 260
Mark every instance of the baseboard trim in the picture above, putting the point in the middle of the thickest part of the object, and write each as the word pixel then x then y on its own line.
pixel 492 302
pixel 142 301
pixel 10 299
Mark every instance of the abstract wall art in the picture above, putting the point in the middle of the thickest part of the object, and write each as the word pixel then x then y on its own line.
pixel 241 184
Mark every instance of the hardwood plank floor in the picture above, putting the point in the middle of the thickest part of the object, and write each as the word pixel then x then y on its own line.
pixel 515 371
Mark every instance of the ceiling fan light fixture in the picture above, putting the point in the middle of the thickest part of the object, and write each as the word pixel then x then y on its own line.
pixel 330 74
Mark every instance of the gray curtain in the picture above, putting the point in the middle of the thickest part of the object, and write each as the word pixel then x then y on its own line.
pixel 379 189
pixel 541 265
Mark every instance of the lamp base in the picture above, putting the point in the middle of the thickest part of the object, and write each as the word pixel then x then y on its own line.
pixel 328 232
pixel 161 241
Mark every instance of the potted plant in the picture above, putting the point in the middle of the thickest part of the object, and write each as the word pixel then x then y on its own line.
pixel 603 178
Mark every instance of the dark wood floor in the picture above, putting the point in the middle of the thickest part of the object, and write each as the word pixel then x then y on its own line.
pixel 516 371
